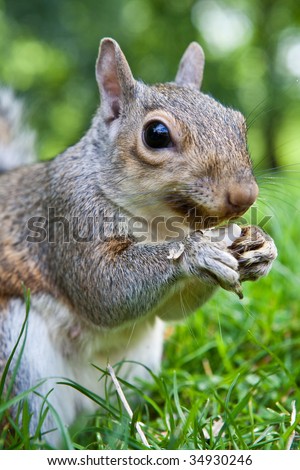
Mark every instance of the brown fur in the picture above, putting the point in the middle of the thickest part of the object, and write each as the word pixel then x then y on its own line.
pixel 20 262
pixel 104 287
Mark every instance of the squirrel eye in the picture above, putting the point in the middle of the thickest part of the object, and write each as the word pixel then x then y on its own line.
pixel 157 136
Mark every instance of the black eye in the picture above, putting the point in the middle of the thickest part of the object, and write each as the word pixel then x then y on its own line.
pixel 157 136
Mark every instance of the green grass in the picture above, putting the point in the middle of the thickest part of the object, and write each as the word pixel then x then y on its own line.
pixel 234 362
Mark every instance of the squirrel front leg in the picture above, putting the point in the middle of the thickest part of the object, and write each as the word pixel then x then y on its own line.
pixel 119 284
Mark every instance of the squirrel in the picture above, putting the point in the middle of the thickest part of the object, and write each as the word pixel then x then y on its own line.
pixel 116 233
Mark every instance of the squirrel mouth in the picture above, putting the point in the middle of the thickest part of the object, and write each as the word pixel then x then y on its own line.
pixel 194 215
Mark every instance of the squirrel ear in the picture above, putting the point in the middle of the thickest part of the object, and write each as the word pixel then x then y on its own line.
pixel 190 70
pixel 114 78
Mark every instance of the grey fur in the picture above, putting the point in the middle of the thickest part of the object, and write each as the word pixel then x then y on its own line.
pixel 112 281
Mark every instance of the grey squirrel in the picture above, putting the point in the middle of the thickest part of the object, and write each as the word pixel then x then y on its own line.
pixel 117 232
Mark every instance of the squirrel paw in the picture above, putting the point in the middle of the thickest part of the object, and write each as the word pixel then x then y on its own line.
pixel 212 263
pixel 255 252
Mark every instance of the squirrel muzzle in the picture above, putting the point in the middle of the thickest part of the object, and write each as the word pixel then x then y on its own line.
pixel 240 197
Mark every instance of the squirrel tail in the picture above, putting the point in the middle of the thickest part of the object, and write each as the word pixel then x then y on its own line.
pixel 17 142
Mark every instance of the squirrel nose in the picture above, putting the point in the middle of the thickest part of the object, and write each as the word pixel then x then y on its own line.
pixel 241 197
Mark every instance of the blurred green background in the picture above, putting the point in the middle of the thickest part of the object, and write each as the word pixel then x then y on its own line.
pixel 48 51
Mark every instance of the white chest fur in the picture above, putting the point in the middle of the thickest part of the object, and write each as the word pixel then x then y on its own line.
pixel 60 346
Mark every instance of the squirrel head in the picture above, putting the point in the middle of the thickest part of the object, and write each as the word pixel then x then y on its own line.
pixel 171 149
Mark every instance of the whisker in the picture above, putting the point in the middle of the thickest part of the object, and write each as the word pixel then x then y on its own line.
pixel 278 187
pixel 187 318
pixel 284 201
pixel 130 336
pixel 266 203
pixel 260 113
pixel 279 168
pixel 260 103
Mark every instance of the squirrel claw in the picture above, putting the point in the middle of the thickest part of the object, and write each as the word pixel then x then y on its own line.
pixel 239 294
pixel 238 291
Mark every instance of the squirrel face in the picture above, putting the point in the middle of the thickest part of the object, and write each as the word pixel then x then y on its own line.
pixel 178 151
